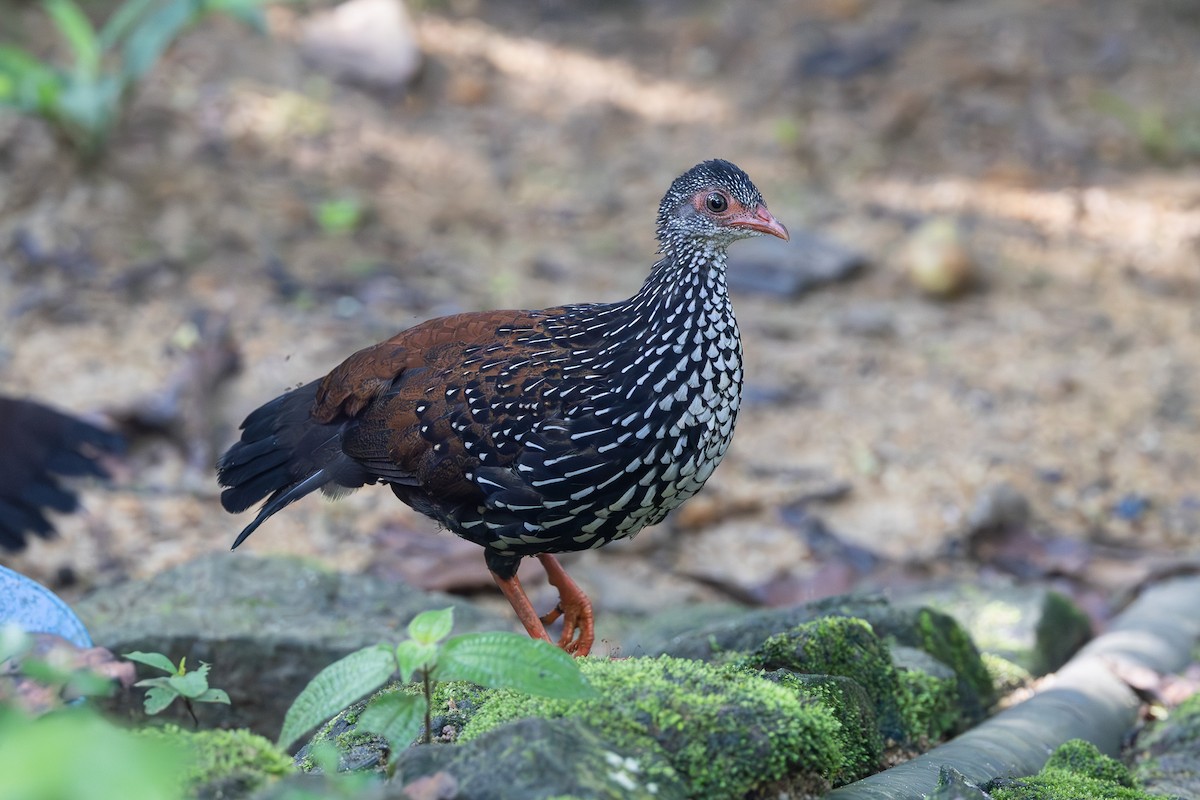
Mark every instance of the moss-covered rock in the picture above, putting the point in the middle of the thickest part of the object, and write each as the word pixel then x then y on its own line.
pixel 924 628
pixel 546 759
pixel 859 737
pixel 225 763
pixel 1075 770
pixel 724 732
pixel 840 646
pixel 1062 629
pixel 1167 755
pixel 928 699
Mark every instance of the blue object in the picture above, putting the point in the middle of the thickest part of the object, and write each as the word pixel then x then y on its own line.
pixel 1131 507
pixel 36 609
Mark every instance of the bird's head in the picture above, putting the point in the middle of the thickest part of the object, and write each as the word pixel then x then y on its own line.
pixel 712 205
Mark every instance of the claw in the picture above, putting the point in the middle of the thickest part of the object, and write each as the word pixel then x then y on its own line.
pixel 573 607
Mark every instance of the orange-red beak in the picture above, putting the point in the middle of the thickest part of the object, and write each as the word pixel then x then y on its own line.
pixel 763 221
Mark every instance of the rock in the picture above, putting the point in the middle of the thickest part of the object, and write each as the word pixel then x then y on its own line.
pixel 998 507
pixel 1032 626
pixel 808 261
pixel 539 759
pixel 267 625
pixel 924 628
pixel 870 321
pixel 370 42
pixel 862 744
pixel 765 552
pixel 1167 753
pixel 725 732
pixel 937 260
pixel 840 646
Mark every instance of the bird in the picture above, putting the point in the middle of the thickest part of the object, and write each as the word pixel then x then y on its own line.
pixel 38 447
pixel 533 433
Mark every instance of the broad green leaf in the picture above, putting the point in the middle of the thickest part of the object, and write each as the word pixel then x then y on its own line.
pixel 213 696
pixel 121 21
pixel 511 661
pixel 164 683
pixel 191 685
pixel 397 717
pixel 156 660
pixel 26 82
pixel 153 34
pixel 335 687
pixel 77 29
pixel 158 698
pixel 430 627
pixel 413 656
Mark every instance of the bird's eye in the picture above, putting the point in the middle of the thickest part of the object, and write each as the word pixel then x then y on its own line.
pixel 716 203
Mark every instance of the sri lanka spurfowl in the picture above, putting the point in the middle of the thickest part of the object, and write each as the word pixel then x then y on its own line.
pixel 531 433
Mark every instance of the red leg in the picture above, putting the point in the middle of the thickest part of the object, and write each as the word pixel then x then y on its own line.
pixel 520 603
pixel 573 605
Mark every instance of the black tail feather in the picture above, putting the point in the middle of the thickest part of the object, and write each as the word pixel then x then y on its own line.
pixel 283 455
pixel 38 446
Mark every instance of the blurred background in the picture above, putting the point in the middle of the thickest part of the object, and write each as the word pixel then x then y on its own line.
pixel 978 355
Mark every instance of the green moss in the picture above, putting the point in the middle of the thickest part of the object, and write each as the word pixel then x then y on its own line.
pixel 1168 752
pixel 1061 630
pixel 858 734
pixel 226 762
pixel 1075 770
pixel 1007 676
pixel 929 704
pixel 947 641
pixel 723 731
pixel 839 646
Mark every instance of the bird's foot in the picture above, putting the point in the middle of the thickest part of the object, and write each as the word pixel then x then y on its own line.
pixel 574 607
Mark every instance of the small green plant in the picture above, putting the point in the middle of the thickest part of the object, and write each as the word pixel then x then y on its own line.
pixel 495 659
pixel 84 101
pixel 339 217
pixel 179 683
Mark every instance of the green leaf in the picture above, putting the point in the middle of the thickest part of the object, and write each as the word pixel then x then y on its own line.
pixel 25 82
pixel 157 699
pixel 396 716
pixel 156 660
pixel 151 37
pixel 213 696
pixel 164 683
pixel 121 21
pixel 77 29
pixel 430 627
pixel 413 656
pixel 512 661
pixel 335 687
pixel 191 685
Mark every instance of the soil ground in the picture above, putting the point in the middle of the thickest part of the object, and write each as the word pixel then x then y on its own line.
pixel 523 168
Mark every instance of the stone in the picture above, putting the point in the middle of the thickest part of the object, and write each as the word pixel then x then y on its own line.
pixel 371 42
pixel 1033 627
pixel 808 261
pixel 937 260
pixel 540 759
pixel 927 629
pixel 267 626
